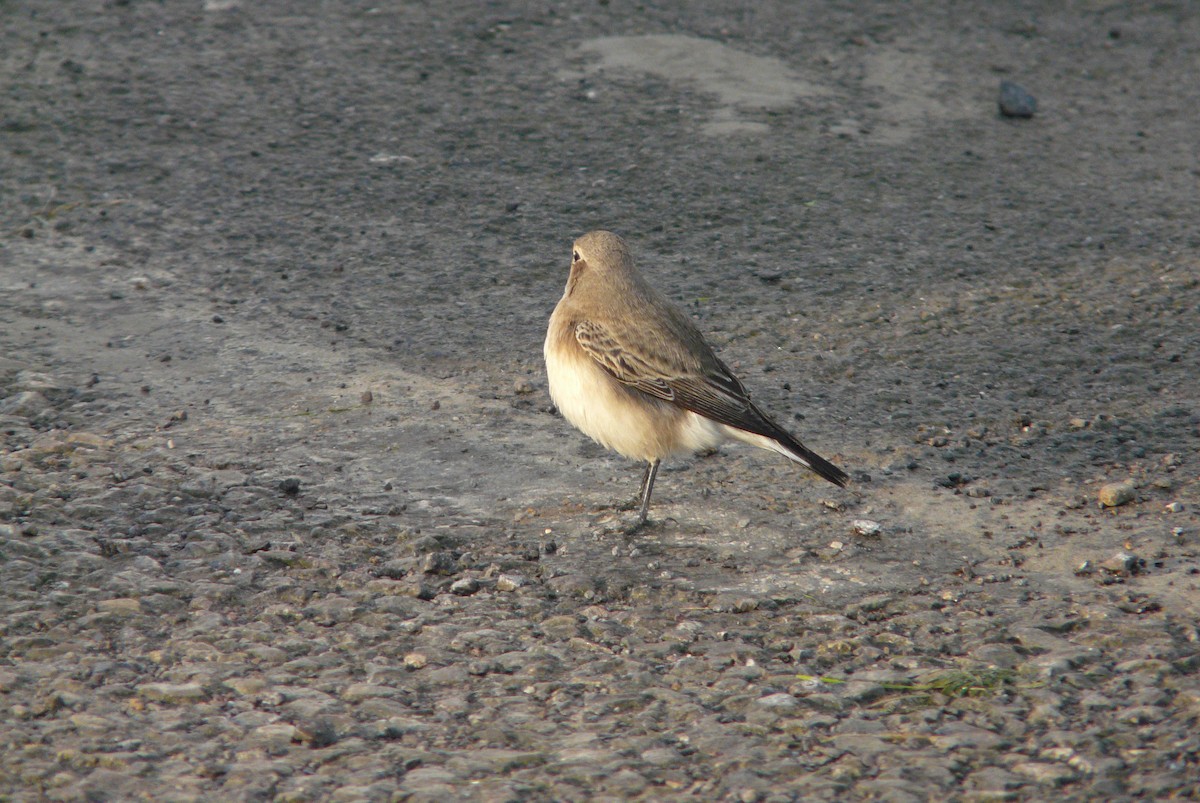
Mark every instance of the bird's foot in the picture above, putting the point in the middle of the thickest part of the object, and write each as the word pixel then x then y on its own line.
pixel 613 524
pixel 630 504
pixel 637 525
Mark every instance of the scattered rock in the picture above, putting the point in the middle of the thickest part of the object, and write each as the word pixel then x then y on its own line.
pixel 779 701
pixel 866 527
pixel 1123 564
pixel 440 563
pixel 510 582
pixel 123 607
pixel 1015 101
pixel 1044 773
pixel 464 587
pixel 27 404
pixel 172 692
pixel 1116 493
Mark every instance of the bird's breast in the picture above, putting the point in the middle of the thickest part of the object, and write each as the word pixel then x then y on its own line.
pixel 612 414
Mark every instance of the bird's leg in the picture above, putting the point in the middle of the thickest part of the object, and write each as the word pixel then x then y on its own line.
pixel 647 489
pixel 642 502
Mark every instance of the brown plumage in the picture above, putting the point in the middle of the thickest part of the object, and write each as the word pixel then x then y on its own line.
pixel 630 370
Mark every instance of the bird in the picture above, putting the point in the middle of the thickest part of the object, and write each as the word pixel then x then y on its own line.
pixel 630 370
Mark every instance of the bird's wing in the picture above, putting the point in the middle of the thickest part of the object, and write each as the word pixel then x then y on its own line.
pixel 692 377
pixel 697 382
pixel 637 367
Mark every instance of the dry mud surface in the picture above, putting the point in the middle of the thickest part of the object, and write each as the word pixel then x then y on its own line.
pixel 286 514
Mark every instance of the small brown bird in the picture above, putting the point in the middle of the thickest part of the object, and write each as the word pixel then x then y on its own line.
pixel 629 369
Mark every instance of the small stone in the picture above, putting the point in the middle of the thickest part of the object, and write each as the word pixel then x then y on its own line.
pixel 734 603
pixel 1116 493
pixel 89 439
pixel 1043 773
pixel 1094 701
pixel 120 607
pixel 1173 507
pixel 453 675
pixel 998 655
pixel 781 700
pixel 357 692
pixel 510 582
pixel 1122 564
pixel 33 380
pixel 416 660
pixel 90 723
pixel 276 735
pixel 416 589
pixel 172 692
pixel 745 605
pixel 464 587
pixel 290 486
pixel 319 732
pixel 866 527
pixel 27 404
pixel 523 387
pixel 246 687
pixel 661 756
pixel 442 563
pixel 1015 100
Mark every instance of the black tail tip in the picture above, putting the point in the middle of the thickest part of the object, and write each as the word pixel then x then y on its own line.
pixel 837 477
pixel 830 472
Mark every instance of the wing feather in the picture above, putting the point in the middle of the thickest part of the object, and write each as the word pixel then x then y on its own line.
pixel 694 380
pixel 710 390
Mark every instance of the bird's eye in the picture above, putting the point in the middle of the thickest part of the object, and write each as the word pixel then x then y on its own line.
pixel 574 256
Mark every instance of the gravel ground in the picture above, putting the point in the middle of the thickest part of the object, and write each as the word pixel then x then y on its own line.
pixel 286 513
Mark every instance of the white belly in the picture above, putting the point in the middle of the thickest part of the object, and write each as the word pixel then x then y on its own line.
pixel 630 423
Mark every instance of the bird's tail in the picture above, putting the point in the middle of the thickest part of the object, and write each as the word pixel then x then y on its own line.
pixel 793 449
pixel 782 441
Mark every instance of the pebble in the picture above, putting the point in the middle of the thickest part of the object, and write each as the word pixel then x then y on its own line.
pixel 465 586
pixel 510 582
pixel 124 606
pixel 1116 493
pixel 26 404
pixel 779 701
pixel 1043 773
pixel 1015 101
pixel 172 692
pixel 441 563
pixel 276 735
pixel 866 527
pixel 1122 564
pixel 290 486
